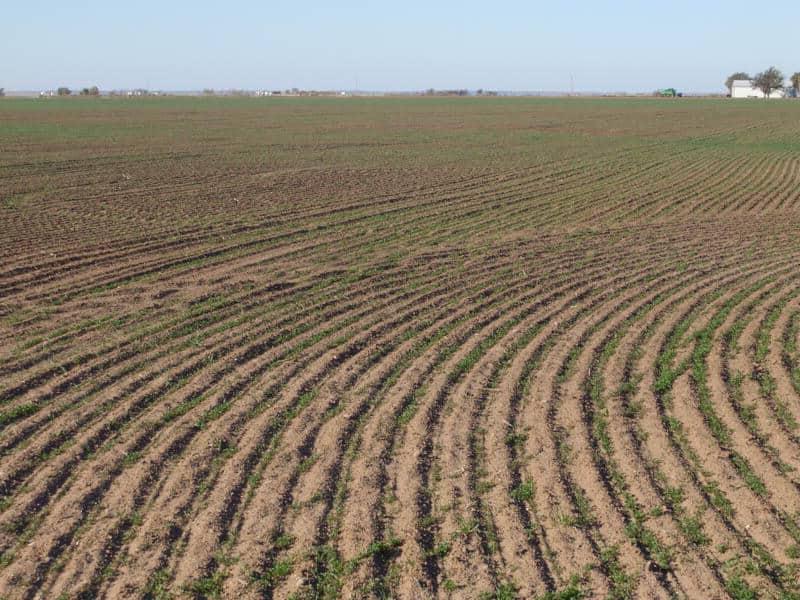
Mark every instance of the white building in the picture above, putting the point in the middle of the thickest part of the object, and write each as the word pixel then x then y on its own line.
pixel 743 88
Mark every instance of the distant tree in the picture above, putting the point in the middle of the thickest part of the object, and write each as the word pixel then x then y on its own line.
pixel 769 81
pixel 2 92
pixel 796 83
pixel 735 77
pixel 209 92
pixel 64 91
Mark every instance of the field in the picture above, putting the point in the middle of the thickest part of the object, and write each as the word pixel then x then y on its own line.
pixel 469 348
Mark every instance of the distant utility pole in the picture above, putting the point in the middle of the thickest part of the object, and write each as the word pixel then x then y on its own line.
pixel 571 85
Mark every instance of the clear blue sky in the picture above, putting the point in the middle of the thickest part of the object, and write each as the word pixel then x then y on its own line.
pixel 404 45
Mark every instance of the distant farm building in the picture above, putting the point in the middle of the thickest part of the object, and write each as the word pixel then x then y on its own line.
pixel 744 88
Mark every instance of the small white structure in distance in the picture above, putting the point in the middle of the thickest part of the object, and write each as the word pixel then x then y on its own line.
pixel 743 88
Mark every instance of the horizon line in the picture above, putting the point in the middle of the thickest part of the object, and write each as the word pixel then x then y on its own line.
pixel 207 91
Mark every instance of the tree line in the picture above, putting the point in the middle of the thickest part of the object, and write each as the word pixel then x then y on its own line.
pixel 87 91
pixel 768 81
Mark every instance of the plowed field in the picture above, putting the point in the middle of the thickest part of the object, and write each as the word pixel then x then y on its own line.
pixel 468 348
